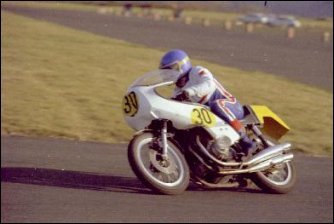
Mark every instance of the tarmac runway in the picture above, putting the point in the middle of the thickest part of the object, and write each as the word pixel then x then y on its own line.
pixel 53 180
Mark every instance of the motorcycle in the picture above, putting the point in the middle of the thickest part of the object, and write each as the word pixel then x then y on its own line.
pixel 178 142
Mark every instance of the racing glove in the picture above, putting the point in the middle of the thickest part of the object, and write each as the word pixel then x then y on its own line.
pixel 184 96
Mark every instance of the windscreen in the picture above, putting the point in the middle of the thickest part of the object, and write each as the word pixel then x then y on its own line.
pixel 156 77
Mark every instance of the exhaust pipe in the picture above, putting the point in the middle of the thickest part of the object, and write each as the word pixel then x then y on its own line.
pixel 262 156
pixel 267 154
pixel 261 166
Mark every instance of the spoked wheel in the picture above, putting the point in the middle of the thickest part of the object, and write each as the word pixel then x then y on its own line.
pixel 278 180
pixel 165 175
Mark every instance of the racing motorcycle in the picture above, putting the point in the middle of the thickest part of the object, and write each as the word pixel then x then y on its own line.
pixel 178 142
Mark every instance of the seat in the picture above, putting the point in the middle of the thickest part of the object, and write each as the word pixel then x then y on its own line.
pixel 249 116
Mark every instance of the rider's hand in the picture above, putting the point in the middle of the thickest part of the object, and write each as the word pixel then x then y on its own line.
pixel 182 96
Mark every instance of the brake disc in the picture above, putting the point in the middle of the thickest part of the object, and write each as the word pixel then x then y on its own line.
pixel 166 166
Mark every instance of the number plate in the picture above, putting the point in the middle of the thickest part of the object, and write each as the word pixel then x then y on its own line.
pixel 202 116
pixel 130 104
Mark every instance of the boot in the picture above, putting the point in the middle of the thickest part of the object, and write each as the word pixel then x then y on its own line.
pixel 247 145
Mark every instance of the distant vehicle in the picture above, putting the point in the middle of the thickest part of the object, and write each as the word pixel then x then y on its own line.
pixel 254 18
pixel 289 21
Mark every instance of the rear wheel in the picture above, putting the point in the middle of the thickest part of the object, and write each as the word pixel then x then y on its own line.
pixel 278 180
pixel 165 175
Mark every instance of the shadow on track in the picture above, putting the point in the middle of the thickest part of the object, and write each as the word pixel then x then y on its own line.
pixel 88 181
pixel 73 179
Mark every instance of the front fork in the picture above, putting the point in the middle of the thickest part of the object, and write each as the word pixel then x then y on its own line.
pixel 161 137
pixel 164 139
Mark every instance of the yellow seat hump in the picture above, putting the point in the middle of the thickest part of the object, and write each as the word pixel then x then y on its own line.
pixel 273 125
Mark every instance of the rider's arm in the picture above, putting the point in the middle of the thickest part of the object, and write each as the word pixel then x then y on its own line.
pixel 203 83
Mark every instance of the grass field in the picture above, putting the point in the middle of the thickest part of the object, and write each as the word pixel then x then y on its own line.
pixel 66 83
pixel 217 18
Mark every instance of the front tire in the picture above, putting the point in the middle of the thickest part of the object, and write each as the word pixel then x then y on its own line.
pixel 167 177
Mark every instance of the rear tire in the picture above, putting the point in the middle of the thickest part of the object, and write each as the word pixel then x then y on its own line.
pixel 276 181
pixel 167 178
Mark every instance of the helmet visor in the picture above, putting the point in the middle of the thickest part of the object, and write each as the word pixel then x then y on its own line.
pixel 174 66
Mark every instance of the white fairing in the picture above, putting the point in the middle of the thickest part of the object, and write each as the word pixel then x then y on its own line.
pixel 184 115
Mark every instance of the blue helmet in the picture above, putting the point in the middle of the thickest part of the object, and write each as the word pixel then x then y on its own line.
pixel 177 60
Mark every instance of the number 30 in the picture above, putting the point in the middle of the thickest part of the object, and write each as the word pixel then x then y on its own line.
pixel 202 116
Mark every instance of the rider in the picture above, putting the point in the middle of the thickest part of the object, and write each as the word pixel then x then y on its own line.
pixel 198 85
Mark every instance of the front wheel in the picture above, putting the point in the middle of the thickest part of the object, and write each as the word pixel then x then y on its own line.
pixel 165 175
pixel 278 180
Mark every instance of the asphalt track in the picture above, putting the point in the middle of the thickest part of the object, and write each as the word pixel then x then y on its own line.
pixel 53 180
pixel 304 59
